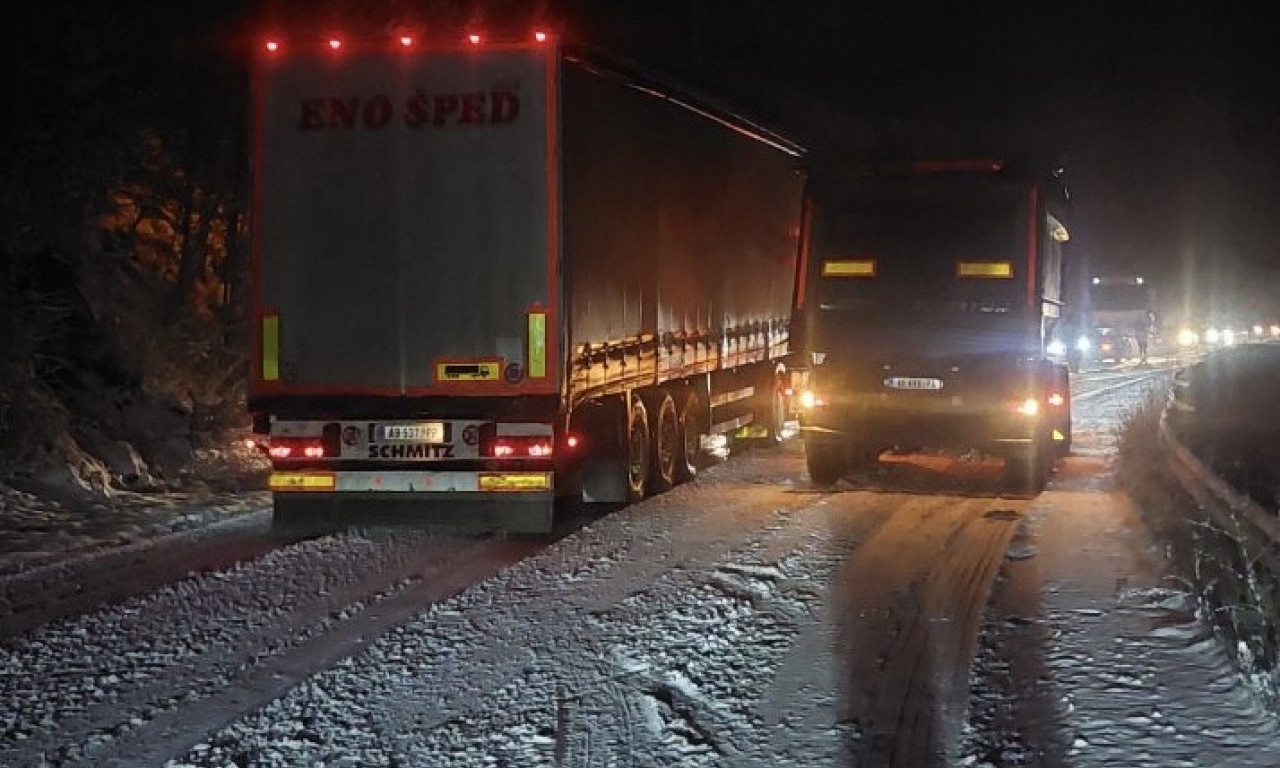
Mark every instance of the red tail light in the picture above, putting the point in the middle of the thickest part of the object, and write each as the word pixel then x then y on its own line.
pixel 517 441
pixel 520 446
pixel 302 448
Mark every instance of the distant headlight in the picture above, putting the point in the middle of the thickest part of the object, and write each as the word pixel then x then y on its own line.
pixel 1056 347
pixel 1187 337
pixel 1228 337
pixel 810 400
pixel 1083 344
pixel 1213 336
pixel 1275 330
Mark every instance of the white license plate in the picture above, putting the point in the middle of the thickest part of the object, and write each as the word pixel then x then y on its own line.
pixel 429 432
pixel 912 382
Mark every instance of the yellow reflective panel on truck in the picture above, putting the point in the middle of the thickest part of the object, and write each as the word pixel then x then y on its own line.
pixel 849 268
pixel 302 481
pixel 999 270
pixel 270 347
pixel 537 345
pixel 515 481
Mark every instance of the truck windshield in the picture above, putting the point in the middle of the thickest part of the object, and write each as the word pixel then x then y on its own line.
pixel 922 246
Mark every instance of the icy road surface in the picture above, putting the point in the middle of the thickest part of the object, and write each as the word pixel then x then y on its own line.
pixel 909 618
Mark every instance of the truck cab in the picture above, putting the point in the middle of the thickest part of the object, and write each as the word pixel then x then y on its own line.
pixel 927 300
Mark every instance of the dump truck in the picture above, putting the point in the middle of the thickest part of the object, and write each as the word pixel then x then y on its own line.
pixel 928 295
pixel 494 275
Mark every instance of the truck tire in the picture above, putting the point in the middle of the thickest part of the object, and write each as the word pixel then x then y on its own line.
pixel 666 445
pixel 827 461
pixel 638 450
pixel 1027 471
pixel 690 436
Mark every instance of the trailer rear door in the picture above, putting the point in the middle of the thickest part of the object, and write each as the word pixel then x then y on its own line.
pixel 406 226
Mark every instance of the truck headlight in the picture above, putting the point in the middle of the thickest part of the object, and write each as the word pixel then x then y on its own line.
pixel 1056 347
pixel 1029 407
pixel 1187 337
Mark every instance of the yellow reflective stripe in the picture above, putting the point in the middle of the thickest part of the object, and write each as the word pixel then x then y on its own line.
pixel 271 348
pixel 849 268
pixel 998 269
pixel 537 345
pixel 514 481
pixel 300 481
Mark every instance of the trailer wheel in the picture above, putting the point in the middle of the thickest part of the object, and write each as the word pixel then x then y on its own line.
pixel 665 440
pixel 637 450
pixel 690 437
pixel 827 461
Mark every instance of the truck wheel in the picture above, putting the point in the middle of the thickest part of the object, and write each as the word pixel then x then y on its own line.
pixel 1027 471
pixel 826 461
pixel 637 451
pixel 690 437
pixel 665 440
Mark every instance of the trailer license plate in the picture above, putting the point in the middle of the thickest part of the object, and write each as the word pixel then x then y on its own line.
pixel 912 382
pixel 428 432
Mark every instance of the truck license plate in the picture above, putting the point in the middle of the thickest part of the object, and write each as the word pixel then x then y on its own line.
pixel 428 432
pixel 912 382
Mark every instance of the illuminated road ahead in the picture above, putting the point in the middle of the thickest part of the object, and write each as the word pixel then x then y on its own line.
pixel 909 617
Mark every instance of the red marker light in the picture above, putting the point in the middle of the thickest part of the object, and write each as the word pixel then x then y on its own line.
pixel 540 36
pixel 273 46
pixel 406 41
pixel 572 441
pixel 335 43
pixel 473 39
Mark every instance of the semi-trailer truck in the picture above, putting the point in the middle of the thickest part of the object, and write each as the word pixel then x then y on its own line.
pixel 928 294
pixel 492 275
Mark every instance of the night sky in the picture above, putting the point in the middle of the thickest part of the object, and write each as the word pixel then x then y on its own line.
pixel 1166 115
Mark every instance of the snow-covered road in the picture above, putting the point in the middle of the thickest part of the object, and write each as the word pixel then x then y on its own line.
pixel 910 618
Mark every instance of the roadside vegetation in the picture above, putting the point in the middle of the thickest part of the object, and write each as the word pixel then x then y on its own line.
pixel 1235 590
pixel 123 260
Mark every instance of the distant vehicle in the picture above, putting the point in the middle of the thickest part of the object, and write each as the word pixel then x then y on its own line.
pixel 927 299
pixel 1123 316
pixel 500 273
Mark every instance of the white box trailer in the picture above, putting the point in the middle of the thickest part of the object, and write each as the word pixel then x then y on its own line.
pixel 496 274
